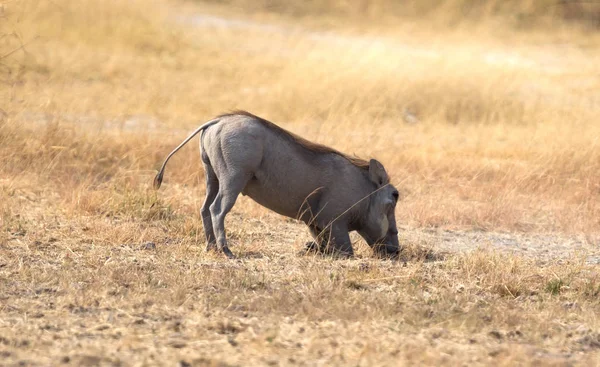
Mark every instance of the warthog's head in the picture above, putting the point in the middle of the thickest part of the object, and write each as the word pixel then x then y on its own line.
pixel 379 228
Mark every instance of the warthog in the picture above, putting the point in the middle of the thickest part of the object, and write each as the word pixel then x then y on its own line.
pixel 331 192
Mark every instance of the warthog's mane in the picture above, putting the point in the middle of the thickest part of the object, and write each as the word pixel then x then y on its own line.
pixel 304 143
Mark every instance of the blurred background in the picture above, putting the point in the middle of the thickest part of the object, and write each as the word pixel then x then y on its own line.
pixel 486 113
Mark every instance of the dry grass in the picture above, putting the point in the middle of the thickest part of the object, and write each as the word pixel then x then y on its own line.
pixel 478 133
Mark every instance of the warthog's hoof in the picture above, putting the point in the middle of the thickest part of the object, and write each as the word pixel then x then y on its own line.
pixel 338 254
pixel 387 252
pixel 211 246
pixel 313 247
pixel 228 252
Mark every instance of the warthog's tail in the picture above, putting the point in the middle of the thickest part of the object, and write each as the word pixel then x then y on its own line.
pixel 159 177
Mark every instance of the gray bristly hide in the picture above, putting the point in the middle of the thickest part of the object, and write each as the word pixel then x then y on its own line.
pixel 331 192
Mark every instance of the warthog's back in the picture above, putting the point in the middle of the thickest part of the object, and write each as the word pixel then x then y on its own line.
pixel 282 171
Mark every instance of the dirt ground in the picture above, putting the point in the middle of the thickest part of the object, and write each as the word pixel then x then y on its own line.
pixel 123 290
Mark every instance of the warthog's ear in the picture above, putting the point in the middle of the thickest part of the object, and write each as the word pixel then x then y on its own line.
pixel 377 173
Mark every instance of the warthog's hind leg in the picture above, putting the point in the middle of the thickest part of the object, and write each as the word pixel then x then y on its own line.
pixel 212 188
pixel 229 190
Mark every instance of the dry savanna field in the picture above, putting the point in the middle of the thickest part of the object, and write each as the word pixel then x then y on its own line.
pixel 485 113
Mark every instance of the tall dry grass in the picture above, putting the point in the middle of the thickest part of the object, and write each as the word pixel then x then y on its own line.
pixel 506 138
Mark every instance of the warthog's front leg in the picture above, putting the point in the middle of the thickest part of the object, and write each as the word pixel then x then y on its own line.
pixel 339 241
pixel 333 240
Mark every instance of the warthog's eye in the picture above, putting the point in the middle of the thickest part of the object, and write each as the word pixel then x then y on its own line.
pixel 396 195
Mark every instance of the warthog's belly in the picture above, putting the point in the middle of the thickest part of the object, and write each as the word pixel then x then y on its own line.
pixel 282 198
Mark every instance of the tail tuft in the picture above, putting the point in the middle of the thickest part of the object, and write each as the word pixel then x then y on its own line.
pixel 158 180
